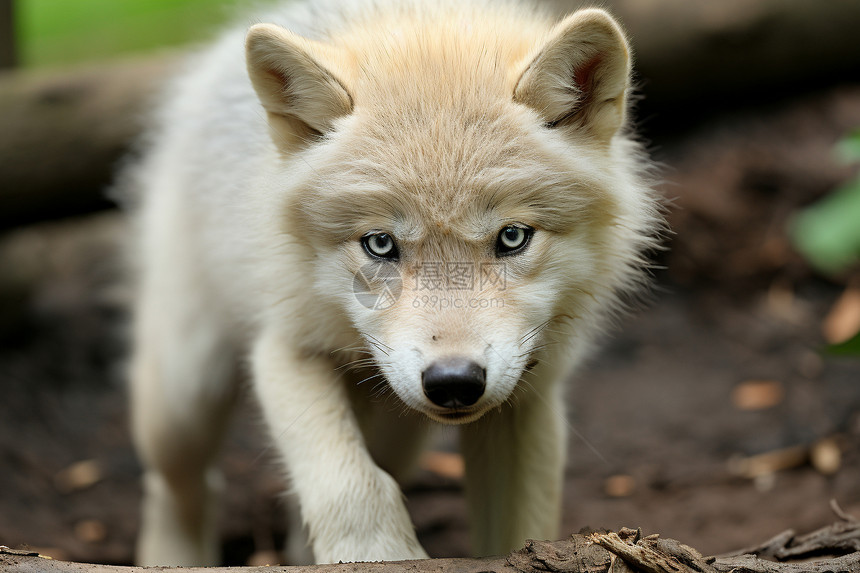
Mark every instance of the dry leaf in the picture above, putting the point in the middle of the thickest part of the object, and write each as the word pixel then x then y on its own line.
pixel 264 558
pixel 843 320
pixel 826 456
pixel 757 394
pixel 620 485
pixel 444 464
pixel 77 476
pixel 90 531
pixel 768 462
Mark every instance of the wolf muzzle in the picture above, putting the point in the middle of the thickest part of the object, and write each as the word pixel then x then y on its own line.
pixel 454 382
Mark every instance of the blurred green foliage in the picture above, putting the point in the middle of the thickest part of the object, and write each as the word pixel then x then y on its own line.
pixel 850 347
pixel 828 232
pixel 62 32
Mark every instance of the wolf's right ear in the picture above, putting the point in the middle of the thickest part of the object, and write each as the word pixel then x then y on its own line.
pixel 579 77
pixel 296 82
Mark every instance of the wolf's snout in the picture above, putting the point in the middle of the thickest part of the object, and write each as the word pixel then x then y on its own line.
pixel 453 382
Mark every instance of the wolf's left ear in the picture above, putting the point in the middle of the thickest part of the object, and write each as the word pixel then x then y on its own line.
pixel 297 81
pixel 579 77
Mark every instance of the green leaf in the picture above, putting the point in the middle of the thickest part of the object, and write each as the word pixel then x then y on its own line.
pixel 828 232
pixel 850 347
pixel 848 149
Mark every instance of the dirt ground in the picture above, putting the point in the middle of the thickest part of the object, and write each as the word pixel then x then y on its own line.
pixel 721 364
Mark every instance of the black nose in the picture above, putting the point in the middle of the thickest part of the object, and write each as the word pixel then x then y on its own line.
pixel 453 382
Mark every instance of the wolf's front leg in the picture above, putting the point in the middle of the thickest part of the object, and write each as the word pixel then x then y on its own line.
pixel 353 510
pixel 514 471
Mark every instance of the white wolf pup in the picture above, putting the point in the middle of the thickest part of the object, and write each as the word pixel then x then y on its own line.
pixel 470 162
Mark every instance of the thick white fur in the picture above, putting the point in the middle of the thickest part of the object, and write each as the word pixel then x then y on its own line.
pixel 439 123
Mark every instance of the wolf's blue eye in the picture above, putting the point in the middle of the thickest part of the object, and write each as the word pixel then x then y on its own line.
pixel 380 245
pixel 513 239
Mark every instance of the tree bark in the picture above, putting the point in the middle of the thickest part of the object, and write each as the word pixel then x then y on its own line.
pixel 623 552
pixel 62 133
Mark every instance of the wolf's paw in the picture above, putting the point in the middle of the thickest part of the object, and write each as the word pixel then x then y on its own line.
pixel 364 521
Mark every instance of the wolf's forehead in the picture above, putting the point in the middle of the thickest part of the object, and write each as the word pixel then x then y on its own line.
pixel 423 174
pixel 445 158
pixel 451 171
pixel 434 102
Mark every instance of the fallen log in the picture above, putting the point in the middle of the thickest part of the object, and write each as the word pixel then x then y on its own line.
pixel 697 56
pixel 61 134
pixel 626 551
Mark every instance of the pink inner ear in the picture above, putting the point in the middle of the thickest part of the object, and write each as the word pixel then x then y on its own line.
pixel 584 77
